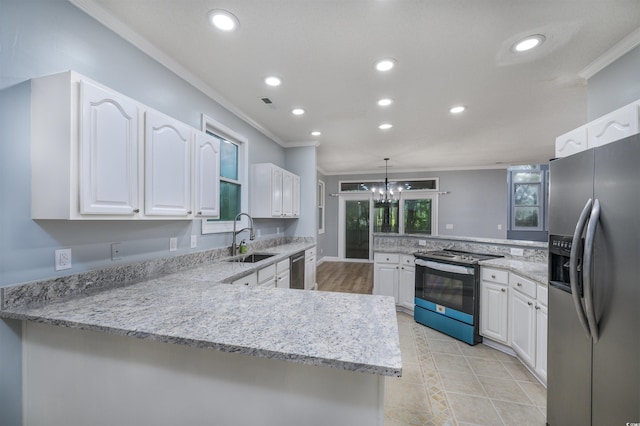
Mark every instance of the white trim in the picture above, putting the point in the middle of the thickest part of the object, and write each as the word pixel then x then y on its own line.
pixel 301 144
pixel 432 195
pixel 225 132
pixel 93 9
pixel 321 198
pixel 614 53
pixel 337 259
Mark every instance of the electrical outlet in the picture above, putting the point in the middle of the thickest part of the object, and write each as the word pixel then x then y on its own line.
pixel 258 233
pixel 277 229
pixel 499 227
pixel 449 226
pixel 115 251
pixel 517 251
pixel 63 259
pixel 173 244
pixel 194 241
pixel 422 242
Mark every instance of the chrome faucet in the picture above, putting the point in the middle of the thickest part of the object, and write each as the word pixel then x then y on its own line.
pixel 234 246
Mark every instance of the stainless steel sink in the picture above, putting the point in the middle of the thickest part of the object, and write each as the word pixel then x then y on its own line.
pixel 251 258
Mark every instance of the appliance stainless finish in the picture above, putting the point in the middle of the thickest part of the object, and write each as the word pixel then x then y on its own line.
pixel 594 292
pixel 297 271
pixel 447 292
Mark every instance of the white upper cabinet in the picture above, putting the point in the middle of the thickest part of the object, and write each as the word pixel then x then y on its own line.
pixel 275 192
pixel 614 126
pixel 108 152
pixel 85 140
pixel 206 176
pixel 167 166
pixel 99 155
pixel 611 127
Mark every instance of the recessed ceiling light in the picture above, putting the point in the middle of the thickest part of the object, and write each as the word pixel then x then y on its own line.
pixel 385 102
pixel 297 111
pixel 223 20
pixel 385 126
pixel 457 109
pixel 273 81
pixel 385 64
pixel 529 43
pixel 316 133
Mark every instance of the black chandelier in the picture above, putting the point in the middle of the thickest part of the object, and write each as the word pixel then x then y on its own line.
pixel 385 195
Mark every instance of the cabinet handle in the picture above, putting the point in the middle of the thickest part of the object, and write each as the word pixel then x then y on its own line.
pixel 529 303
pixel 199 213
pixel 503 290
pixel 493 276
pixel 136 211
pixel 189 212
pixel 519 284
pixel 537 307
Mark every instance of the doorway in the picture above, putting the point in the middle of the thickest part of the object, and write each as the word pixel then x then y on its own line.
pixel 354 230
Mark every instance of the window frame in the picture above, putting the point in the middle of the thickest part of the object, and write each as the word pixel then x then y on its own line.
pixel 220 130
pixel 321 208
pixel 542 198
pixel 421 195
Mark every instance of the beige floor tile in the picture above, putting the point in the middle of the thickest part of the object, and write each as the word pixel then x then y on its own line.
pixel 451 362
pixel 521 415
pixel 406 417
pixel 454 381
pixel 406 395
pixel 488 367
pixel 536 392
pixel 506 390
pixel 473 409
pixel 444 346
pixel 519 372
pixel 478 351
pixel 412 373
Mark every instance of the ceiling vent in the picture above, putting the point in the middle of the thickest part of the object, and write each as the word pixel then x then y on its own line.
pixel 268 102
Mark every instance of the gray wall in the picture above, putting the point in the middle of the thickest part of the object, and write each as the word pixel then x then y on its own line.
pixel 49 36
pixel 302 162
pixel 615 86
pixel 475 206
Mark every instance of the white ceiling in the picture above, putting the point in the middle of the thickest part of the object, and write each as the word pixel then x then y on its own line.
pixel 448 52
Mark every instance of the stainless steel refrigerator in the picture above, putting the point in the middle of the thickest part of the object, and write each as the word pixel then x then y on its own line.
pixel 594 291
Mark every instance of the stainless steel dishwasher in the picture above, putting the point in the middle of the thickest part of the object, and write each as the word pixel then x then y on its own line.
pixel 297 271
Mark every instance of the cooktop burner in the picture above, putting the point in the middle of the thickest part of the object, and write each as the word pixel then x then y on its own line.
pixel 455 256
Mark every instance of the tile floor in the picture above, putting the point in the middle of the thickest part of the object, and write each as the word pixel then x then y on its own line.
pixel 447 382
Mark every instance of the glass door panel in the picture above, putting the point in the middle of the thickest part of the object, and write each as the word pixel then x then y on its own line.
pixel 357 229
pixel 385 217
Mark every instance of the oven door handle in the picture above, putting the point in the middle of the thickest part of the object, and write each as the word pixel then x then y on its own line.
pixel 445 267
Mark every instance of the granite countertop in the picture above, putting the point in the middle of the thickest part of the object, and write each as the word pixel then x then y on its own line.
pixel 537 271
pixel 195 307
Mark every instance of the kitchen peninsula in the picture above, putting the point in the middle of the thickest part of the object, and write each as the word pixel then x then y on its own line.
pixel 141 353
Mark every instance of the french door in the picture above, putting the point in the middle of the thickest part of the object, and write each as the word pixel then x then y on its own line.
pixel 354 228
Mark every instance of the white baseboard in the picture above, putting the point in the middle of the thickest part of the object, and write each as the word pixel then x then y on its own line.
pixel 338 259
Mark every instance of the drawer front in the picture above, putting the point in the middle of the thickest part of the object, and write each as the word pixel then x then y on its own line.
pixel 282 266
pixel 266 273
pixel 523 285
pixel 543 294
pixel 494 275
pixel 310 252
pixel 386 258
pixel 408 260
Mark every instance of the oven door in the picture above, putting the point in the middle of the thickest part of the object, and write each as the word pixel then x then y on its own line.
pixel 446 284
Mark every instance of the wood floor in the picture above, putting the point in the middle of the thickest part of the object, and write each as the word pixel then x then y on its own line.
pixel 346 277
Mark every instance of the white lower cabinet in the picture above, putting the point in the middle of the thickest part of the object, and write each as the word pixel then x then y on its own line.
pixel 494 305
pixel 513 312
pixel 407 282
pixel 267 276
pixel 310 275
pixel 386 272
pixel 283 274
pixel 250 280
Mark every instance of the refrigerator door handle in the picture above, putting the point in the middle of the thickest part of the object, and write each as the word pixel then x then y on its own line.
pixel 587 269
pixel 576 253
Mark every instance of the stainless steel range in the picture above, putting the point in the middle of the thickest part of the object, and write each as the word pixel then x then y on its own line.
pixel 447 290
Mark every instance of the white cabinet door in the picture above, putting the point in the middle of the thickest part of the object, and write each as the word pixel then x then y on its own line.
pixel 310 269
pixel 385 279
pixel 407 286
pixel 296 196
pixel 108 175
pixel 250 280
pixel 283 280
pixel 572 142
pixel 542 315
pixel 287 194
pixel 523 327
pixel 207 176
pixel 167 166
pixel 614 126
pixel 494 311
pixel 276 191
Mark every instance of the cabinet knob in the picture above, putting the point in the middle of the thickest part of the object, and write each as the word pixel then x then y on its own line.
pixel 136 211
pixel 503 290
pixel 537 307
pixel 493 276
pixel 519 284
pixel 529 303
pixel 189 212
pixel 199 213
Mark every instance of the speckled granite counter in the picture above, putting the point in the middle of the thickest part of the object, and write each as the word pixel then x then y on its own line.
pixel 534 270
pixel 194 308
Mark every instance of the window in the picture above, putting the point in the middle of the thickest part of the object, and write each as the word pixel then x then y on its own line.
pixel 386 217
pixel 528 202
pixel 233 176
pixel 320 207
pixel 407 185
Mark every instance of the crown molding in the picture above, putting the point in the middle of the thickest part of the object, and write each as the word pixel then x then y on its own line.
pixel 611 55
pixel 97 12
